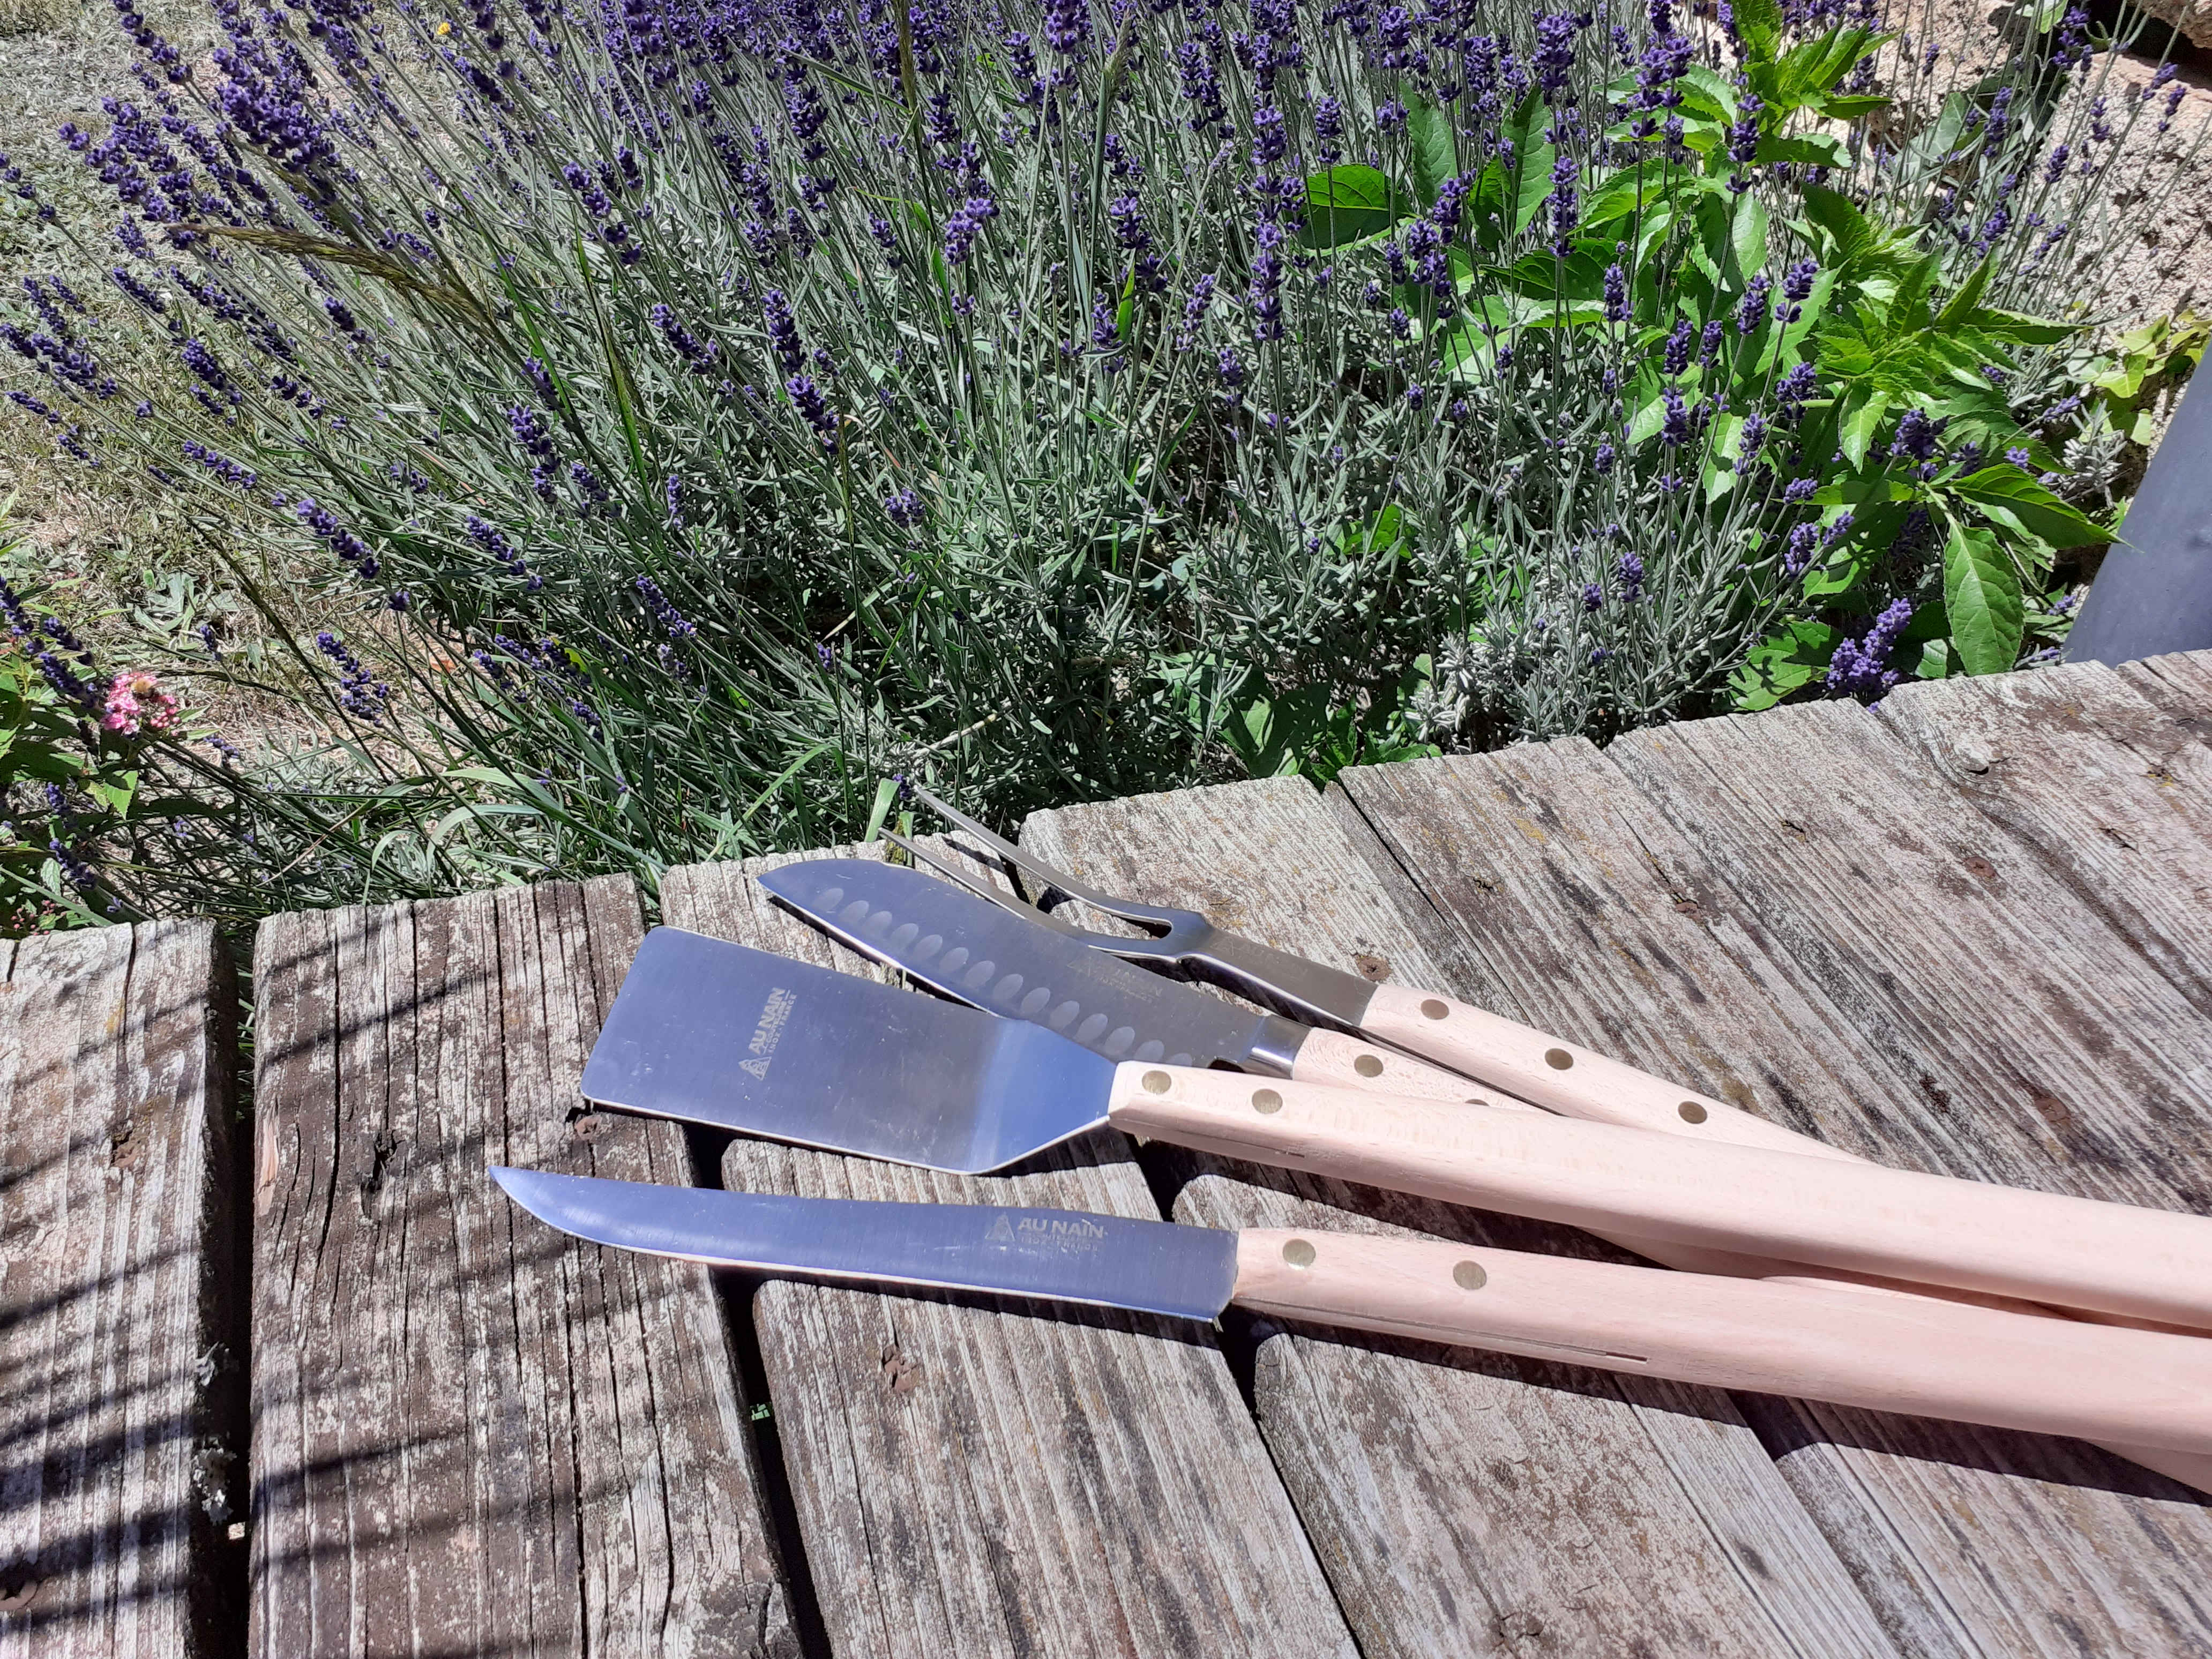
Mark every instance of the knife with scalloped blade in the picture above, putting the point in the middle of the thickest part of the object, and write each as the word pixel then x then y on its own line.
pixel 1025 968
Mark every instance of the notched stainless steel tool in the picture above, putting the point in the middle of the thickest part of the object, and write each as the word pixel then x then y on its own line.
pixel 1028 964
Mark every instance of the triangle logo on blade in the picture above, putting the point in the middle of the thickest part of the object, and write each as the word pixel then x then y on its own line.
pixel 1000 1233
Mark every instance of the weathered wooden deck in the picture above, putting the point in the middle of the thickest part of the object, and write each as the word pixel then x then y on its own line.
pixel 307 1384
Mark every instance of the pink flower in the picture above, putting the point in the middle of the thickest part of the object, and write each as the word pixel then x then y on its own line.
pixel 135 703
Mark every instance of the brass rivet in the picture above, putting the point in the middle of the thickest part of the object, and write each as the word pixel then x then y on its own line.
pixel 1469 1276
pixel 1435 1010
pixel 1368 1065
pixel 1157 1083
pixel 1691 1112
pixel 1557 1059
pixel 1298 1253
pixel 1267 1100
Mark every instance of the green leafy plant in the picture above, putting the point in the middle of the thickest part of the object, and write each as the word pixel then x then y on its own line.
pixel 683 422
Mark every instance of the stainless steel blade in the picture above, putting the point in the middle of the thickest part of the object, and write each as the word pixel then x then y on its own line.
pixel 969 948
pixel 712 1032
pixel 1150 1267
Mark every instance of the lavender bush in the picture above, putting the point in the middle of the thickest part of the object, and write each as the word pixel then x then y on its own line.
pixel 700 409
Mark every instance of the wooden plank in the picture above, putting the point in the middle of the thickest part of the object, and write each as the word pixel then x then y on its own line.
pixel 1998 1029
pixel 2108 787
pixel 976 1479
pixel 2180 683
pixel 124 1425
pixel 471 1434
pixel 1466 1503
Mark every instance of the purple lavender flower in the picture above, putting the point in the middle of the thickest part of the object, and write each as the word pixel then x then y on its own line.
pixel 334 535
pixel 1803 542
pixel 903 508
pixel 1795 387
pixel 964 224
pixel 1796 285
pixel 672 621
pixel 1616 294
pixel 1916 436
pixel 1268 285
pixel 1328 129
pixel 1860 667
pixel 782 330
pixel 1674 426
pixel 1231 368
pixel 359 692
pixel 701 357
pixel 1554 57
pixel 1743 140
pixel 1753 312
pixel 1630 573
pixel 1564 207
pixel 807 399
pixel 1676 357
pixel 229 472
pixel 495 545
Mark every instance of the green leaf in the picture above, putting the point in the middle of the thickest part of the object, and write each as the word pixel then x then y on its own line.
pixel 1939 660
pixel 880 809
pixel 1489 208
pixel 1747 234
pixel 1535 186
pixel 1813 149
pixel 1838 215
pixel 1348 204
pixel 1909 309
pixel 1435 146
pixel 1960 305
pixel 1849 106
pixel 1758 25
pixel 1781 663
pixel 1862 414
pixel 2011 498
pixel 2019 329
pixel 1981 599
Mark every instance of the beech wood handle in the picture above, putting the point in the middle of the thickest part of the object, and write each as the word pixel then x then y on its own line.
pixel 1330 1057
pixel 1891 1223
pixel 1562 1077
pixel 2148 1389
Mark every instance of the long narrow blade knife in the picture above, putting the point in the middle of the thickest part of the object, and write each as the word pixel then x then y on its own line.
pixel 972 950
pixel 715 1033
pixel 1893 1353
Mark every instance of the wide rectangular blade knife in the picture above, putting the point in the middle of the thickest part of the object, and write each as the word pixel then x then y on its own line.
pixel 969 949
pixel 716 1033
pixel 1890 1353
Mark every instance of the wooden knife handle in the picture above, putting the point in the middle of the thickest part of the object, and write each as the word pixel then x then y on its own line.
pixel 1835 1212
pixel 2147 1388
pixel 1331 1057
pixel 1562 1077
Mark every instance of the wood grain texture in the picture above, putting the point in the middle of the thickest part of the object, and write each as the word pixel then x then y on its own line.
pixel 1812 929
pixel 471 1434
pixel 974 1479
pixel 1464 1503
pixel 124 1439
pixel 2180 683
pixel 2113 792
